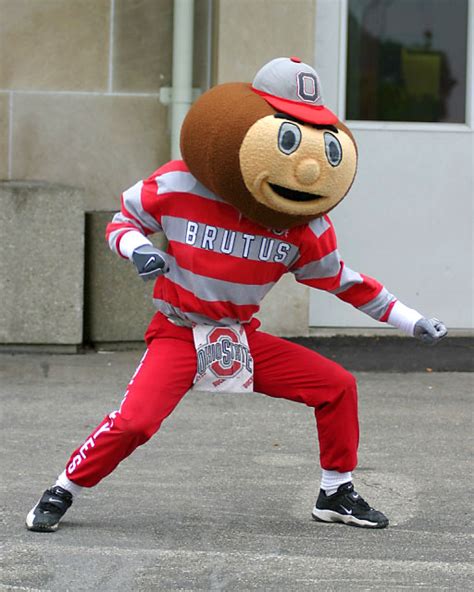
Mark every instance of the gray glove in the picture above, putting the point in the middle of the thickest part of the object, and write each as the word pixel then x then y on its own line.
pixel 150 262
pixel 430 330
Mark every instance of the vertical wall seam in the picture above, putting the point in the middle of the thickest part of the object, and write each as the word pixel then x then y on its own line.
pixel 111 47
pixel 10 135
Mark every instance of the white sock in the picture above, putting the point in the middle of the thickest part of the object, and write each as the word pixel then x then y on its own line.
pixel 331 480
pixel 68 485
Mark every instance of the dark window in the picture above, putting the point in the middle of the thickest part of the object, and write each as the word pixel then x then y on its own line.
pixel 406 60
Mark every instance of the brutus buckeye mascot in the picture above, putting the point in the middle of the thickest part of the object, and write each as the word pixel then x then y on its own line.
pixel 263 164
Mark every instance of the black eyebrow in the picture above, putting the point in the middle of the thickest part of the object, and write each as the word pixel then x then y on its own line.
pixel 318 126
pixel 331 128
pixel 289 117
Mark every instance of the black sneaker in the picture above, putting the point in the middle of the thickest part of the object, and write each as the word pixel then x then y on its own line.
pixel 348 507
pixel 47 513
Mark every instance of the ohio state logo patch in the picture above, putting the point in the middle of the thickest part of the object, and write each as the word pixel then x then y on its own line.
pixel 224 361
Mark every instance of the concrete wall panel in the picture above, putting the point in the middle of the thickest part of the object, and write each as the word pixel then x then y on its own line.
pixel 54 44
pixel 118 303
pixel 4 132
pixel 42 264
pixel 285 311
pixel 102 143
pixel 143 44
pixel 251 33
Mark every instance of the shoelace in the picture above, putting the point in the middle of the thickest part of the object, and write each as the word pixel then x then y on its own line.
pixel 361 503
pixel 355 499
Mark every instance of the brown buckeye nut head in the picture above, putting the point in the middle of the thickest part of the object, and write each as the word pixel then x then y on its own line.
pixel 276 171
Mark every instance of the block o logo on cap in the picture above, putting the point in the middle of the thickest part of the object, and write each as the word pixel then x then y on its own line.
pixel 293 87
pixel 307 87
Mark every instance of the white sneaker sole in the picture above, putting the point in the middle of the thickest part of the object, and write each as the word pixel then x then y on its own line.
pixel 30 523
pixel 330 516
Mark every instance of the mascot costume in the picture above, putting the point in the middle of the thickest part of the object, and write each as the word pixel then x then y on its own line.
pixel 263 164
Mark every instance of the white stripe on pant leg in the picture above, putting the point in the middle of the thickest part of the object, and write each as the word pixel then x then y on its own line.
pixel 132 379
pixel 106 427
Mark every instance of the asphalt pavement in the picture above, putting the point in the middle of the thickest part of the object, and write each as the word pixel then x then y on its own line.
pixel 221 497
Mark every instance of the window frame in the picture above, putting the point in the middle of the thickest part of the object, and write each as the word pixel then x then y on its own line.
pixel 468 126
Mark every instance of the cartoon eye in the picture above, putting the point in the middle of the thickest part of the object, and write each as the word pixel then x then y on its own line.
pixel 333 149
pixel 289 137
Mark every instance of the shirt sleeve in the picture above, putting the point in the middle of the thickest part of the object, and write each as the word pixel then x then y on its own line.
pixel 139 217
pixel 320 266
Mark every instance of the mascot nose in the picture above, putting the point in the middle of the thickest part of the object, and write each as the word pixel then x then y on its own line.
pixel 307 171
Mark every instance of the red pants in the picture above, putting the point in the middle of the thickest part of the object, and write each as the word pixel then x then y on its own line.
pixel 166 372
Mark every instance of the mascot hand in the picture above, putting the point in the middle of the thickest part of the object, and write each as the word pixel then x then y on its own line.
pixel 430 330
pixel 150 262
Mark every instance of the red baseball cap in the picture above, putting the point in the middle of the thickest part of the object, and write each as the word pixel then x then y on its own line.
pixel 292 87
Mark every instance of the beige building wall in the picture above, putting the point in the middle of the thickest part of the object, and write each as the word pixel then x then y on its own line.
pixel 79 99
pixel 252 32
pixel 79 92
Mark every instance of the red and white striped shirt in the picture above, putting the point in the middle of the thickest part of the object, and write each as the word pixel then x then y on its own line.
pixel 221 263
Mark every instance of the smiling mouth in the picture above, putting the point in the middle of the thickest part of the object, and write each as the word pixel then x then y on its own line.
pixel 292 194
